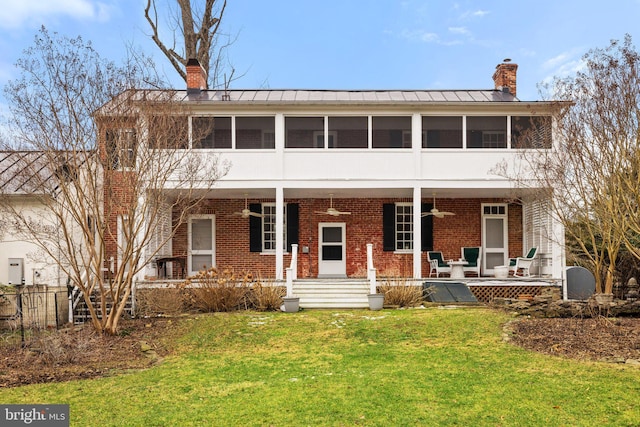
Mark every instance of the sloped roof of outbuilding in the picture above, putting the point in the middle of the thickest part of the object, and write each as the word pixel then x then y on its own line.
pixel 31 172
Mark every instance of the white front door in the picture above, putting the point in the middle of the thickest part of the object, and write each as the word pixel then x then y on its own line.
pixel 494 236
pixel 332 250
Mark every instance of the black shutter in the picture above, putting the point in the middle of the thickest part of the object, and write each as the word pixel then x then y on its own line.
pixel 388 227
pixel 292 225
pixel 427 228
pixel 255 228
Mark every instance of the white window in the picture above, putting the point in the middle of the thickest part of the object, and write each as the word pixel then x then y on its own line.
pixel 201 243
pixel 269 227
pixel 404 226
pixel 121 148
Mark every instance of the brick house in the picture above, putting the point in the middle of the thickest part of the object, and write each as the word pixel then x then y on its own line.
pixel 333 171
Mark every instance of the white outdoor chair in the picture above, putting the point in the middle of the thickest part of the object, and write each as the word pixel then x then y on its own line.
pixel 437 264
pixel 520 266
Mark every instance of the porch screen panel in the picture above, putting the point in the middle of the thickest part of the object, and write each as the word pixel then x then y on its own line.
pixel 351 132
pixel 168 132
pixel 211 132
pixel 391 132
pixel 255 133
pixel 531 132
pixel 304 132
pixel 442 132
pixel 487 132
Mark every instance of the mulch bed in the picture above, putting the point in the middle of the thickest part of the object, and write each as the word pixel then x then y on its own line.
pixel 80 352
pixel 604 339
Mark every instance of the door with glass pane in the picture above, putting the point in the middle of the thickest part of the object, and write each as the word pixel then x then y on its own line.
pixel 201 243
pixel 494 236
pixel 332 250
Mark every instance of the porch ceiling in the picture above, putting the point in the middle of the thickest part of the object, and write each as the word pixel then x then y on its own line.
pixel 340 193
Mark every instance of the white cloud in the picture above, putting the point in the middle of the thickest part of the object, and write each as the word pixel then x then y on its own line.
pixel 556 60
pixel 420 36
pixel 20 13
pixel 469 14
pixel 563 65
pixel 459 30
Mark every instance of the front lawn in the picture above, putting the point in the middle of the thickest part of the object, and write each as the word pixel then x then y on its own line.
pixel 398 367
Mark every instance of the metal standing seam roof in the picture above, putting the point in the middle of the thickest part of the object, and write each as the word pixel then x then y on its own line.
pixel 349 96
pixel 29 172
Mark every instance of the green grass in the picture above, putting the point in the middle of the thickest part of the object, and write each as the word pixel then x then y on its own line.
pixel 400 367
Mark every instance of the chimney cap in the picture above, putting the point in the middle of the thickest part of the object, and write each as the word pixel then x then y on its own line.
pixel 193 61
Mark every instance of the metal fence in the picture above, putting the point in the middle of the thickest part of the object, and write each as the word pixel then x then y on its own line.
pixel 28 310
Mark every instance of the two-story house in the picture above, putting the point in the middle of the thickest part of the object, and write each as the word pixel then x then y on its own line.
pixel 332 171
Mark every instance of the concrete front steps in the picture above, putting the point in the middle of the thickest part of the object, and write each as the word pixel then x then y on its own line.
pixel 332 293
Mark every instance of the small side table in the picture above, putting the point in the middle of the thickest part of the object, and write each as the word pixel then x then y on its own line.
pixel 457 269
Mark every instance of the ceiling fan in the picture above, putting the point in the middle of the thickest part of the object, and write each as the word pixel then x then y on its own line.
pixel 246 213
pixel 331 210
pixel 435 212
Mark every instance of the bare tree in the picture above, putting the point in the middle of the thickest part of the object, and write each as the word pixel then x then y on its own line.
pixel 197 26
pixel 114 162
pixel 591 177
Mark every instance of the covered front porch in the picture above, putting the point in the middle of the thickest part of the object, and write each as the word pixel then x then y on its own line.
pixel 253 229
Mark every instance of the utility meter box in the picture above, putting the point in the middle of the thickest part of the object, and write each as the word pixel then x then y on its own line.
pixel 16 271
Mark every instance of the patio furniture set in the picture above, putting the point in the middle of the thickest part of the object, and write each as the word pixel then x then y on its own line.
pixel 471 260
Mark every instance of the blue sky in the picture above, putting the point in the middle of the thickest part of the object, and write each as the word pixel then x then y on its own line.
pixel 354 44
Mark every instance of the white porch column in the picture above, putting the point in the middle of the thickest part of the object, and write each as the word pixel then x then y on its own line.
pixel 279 233
pixel 417 232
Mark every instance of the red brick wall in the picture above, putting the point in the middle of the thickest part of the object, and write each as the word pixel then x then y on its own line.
pixel 363 226
pixel 505 76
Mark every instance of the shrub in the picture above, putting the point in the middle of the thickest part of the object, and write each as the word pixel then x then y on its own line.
pixel 267 296
pixel 397 291
pixel 167 301
pixel 218 290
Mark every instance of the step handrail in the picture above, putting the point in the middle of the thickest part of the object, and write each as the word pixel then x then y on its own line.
pixel 292 270
pixel 371 270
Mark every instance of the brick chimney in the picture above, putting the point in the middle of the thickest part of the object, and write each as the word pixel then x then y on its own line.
pixel 505 77
pixel 196 77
